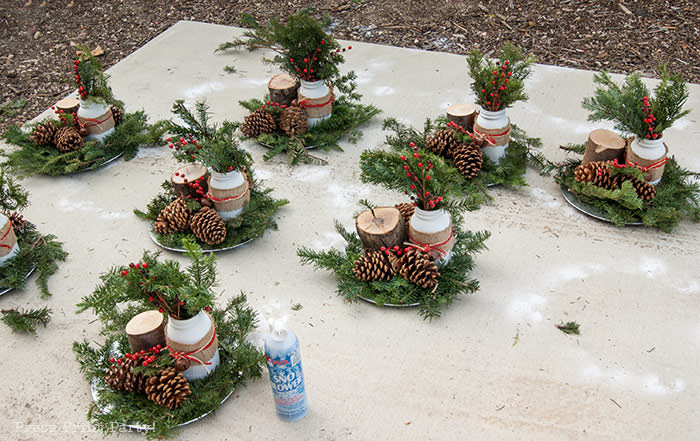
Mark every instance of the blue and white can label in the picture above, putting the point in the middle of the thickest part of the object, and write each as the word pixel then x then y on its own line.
pixel 287 381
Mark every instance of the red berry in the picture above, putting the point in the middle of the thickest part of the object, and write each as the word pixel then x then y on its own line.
pixel 160 310
pixel 427 178
pixel 111 360
pixel 124 272
pixel 207 309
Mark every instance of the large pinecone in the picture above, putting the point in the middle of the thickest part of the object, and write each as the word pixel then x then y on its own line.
pixel 468 160
pixel 208 226
pixel 406 211
pixel 416 267
pixel 174 218
pixel 121 376
pixel 168 388
pixel 375 265
pixel 68 139
pixel 117 114
pixel 260 121
pixel 598 174
pixel 645 191
pixel 443 142
pixel 293 121
pixel 43 133
pixel 17 220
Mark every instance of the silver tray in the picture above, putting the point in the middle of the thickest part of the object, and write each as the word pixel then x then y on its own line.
pixel 182 250
pixel 308 147
pixel 6 290
pixel 99 166
pixel 593 212
pixel 390 305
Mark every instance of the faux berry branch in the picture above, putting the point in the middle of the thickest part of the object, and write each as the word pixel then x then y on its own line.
pixel 418 174
pixel 90 78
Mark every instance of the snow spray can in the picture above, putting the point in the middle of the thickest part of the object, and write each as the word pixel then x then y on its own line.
pixel 284 364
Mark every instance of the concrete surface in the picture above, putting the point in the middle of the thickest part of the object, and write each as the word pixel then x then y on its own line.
pixel 494 367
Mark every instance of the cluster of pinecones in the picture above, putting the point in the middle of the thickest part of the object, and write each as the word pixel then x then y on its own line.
pixel 598 174
pixel 414 265
pixel 168 388
pixel 467 157
pixel 292 121
pixel 65 138
pixel 206 223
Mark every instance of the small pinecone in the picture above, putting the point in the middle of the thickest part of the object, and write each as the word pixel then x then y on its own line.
pixel 68 139
pixel 406 211
pixel 468 160
pixel 645 191
pixel 293 121
pixel 168 388
pixel 208 226
pixel 43 134
pixel 589 172
pixel 17 220
pixel 443 142
pixel 173 218
pixel 121 377
pixel 260 121
pixel 375 265
pixel 416 267
pixel 117 114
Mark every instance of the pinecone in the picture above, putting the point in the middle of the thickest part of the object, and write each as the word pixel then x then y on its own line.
pixel 260 121
pixel 174 218
pixel 645 191
pixel 208 226
pixel 443 142
pixel 293 121
pixel 68 139
pixel 416 267
pixel 43 133
pixel 375 265
pixel 17 220
pixel 168 388
pixel 406 211
pixel 121 376
pixel 468 160
pixel 117 114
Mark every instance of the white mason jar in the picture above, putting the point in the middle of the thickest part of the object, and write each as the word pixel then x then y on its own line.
pixel 229 192
pixel 189 332
pixel 645 152
pixel 8 241
pixel 433 228
pixel 96 116
pixel 315 92
pixel 490 123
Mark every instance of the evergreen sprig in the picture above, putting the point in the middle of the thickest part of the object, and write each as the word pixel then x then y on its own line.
pixel 92 82
pixel 26 320
pixel 453 280
pixel 125 140
pixel 348 114
pixel 12 195
pixel 499 84
pixel 625 104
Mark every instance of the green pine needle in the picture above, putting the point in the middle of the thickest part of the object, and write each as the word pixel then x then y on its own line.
pixel 569 328
pixel 21 320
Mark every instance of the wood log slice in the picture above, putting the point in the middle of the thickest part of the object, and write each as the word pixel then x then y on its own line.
pixel 184 176
pixel 283 89
pixel 383 228
pixel 604 145
pixel 146 330
pixel 462 114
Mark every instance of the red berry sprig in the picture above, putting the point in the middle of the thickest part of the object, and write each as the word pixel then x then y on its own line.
pixel 417 169
pixel 649 119
pixel 145 357
pixel 305 67
pixel 78 80
pixel 499 84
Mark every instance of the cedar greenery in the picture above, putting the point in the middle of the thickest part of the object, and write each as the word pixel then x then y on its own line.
pixel 240 360
pixel 12 195
pixel 26 320
pixel 499 84
pixel 452 282
pixel 303 48
pixel 92 82
pixel 252 223
pixel 31 159
pixel 348 114
pixel 625 104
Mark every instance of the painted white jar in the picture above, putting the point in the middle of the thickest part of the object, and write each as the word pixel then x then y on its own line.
pixel 96 116
pixel 191 331
pixel 316 93
pixel 229 192
pixel 647 152
pixel 433 228
pixel 8 241
pixel 496 126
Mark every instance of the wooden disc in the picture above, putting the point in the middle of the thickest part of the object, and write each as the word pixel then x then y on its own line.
pixel 283 89
pixel 604 145
pixel 146 330
pixel 183 176
pixel 68 105
pixel 383 228
pixel 462 114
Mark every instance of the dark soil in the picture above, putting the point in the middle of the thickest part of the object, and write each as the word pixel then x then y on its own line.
pixel 620 36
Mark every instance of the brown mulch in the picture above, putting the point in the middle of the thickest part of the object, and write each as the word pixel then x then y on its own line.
pixel 620 36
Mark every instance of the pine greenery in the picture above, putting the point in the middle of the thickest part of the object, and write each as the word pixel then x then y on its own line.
pixel 93 81
pixel 348 114
pixel 453 280
pixel 623 104
pixel 29 159
pixel 240 361
pixel 12 195
pixel 26 320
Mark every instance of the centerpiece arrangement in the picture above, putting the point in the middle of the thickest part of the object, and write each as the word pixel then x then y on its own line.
pixel 214 199
pixel 633 180
pixel 411 254
pixel 88 133
pixel 170 356
pixel 302 110
pixel 23 249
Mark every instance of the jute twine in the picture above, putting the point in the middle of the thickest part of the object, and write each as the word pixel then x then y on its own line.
pixel 196 350
pixel 653 168
pixel 229 199
pixel 496 137
pixel 437 244
pixel 98 125
pixel 7 238
pixel 317 107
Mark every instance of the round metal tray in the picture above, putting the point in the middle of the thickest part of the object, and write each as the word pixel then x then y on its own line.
pixel 390 305
pixel 309 147
pixel 206 250
pixel 6 290
pixel 99 166
pixel 593 212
